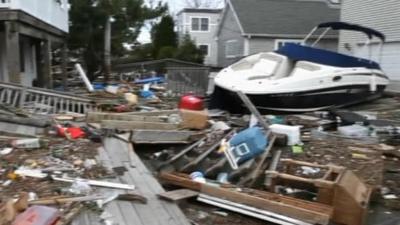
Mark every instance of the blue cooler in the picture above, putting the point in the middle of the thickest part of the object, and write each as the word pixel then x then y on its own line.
pixel 246 145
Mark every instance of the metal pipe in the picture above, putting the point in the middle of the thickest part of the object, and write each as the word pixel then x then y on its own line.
pixel 321 36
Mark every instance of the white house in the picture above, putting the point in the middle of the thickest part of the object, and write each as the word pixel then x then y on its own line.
pixel 28 30
pixel 201 25
pixel 382 15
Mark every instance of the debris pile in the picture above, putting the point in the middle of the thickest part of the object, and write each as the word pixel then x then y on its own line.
pixel 314 168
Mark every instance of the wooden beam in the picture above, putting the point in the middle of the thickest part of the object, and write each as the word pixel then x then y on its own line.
pixel 254 111
pixel 178 195
pixel 162 137
pixel 296 208
pixel 18 15
pixel 250 211
pixel 182 152
pixel 153 113
pixel 97 117
pixel 201 157
pixel 278 205
pixel 133 125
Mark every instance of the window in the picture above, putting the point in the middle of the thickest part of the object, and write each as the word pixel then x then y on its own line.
pixel 232 49
pixel 281 42
pixel 204 49
pixel 200 24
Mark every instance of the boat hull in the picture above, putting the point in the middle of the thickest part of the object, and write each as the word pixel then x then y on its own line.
pixel 303 101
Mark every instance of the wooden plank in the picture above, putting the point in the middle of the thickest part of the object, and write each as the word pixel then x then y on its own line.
pixel 167 213
pixel 97 117
pixel 201 157
pixel 178 195
pixel 161 137
pixel 153 113
pixel 275 206
pixel 182 152
pixel 250 211
pixel 272 167
pixel 133 125
pixel 184 181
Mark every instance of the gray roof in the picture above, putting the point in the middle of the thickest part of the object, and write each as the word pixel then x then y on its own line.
pixel 199 10
pixel 283 17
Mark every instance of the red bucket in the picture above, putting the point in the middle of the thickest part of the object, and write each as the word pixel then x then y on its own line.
pixel 191 102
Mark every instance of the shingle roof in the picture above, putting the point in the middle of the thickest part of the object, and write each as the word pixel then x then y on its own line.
pixel 200 10
pixel 283 17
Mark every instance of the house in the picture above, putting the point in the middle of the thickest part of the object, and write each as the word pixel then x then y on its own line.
pixel 383 16
pixel 252 26
pixel 28 32
pixel 201 25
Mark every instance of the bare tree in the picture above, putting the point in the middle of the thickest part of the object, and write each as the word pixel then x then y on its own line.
pixel 204 3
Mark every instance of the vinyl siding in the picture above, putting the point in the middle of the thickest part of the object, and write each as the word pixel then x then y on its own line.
pixel 261 45
pixel 229 31
pixel 382 15
pixel 268 44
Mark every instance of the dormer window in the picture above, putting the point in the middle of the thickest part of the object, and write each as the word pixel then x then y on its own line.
pixel 199 24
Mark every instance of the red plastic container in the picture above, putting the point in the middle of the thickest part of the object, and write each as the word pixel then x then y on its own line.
pixel 37 215
pixel 191 102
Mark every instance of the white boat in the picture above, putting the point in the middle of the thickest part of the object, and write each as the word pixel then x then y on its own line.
pixel 301 77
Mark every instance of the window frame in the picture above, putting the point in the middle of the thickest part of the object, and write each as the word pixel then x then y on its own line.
pixel 199 26
pixel 208 48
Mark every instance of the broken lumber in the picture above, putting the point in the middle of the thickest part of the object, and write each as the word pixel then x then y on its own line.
pixel 250 211
pixel 181 153
pixel 178 195
pixel 162 136
pixel 106 184
pixel 310 212
pixel 254 111
pixel 97 117
pixel 201 157
pixel 133 125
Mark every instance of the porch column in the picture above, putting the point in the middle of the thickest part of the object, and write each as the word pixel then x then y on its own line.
pixel 46 70
pixel 12 52
pixel 64 64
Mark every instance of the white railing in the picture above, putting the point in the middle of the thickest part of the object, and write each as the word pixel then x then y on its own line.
pixel 53 12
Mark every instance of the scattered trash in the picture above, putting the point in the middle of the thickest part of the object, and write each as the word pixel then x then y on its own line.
pixel 38 215
pixel 80 187
pixel 292 132
pixel 198 177
pixel 353 131
pixel 297 149
pixel 6 151
pixel 26 143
